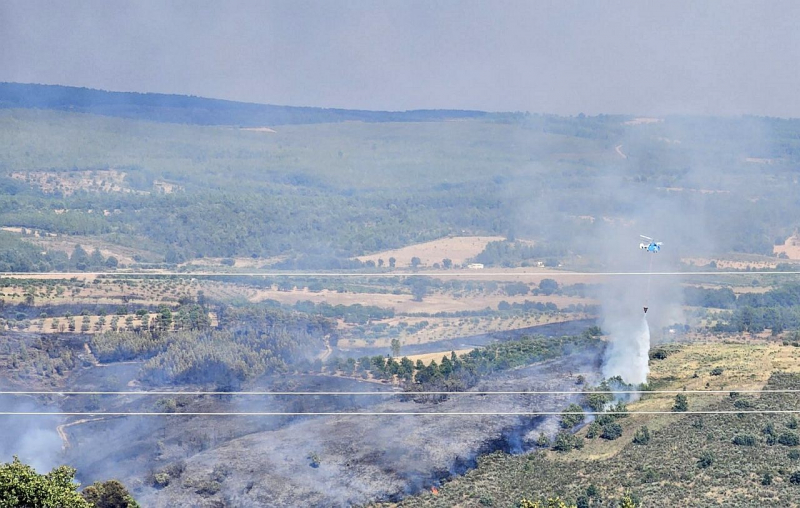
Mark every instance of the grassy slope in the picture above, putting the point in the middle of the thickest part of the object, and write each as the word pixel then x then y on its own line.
pixel 665 471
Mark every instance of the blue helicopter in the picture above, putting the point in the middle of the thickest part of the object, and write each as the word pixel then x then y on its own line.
pixel 651 245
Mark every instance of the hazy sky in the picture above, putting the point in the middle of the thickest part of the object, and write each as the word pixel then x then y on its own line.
pixel 640 57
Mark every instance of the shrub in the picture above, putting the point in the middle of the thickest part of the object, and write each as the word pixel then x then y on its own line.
pixel 705 460
pixel 110 494
pixel 572 416
pixel 208 488
pixel 789 439
pixel 566 441
pixel 611 431
pixel 642 436
pixel 597 401
pixel 681 403
pixel 605 419
pixel 744 440
pixel 795 478
pixel 160 480
pixel 659 354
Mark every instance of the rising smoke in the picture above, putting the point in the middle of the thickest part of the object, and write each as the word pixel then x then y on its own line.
pixel 627 354
pixel 31 438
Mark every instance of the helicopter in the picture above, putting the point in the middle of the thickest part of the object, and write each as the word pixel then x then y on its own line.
pixel 651 245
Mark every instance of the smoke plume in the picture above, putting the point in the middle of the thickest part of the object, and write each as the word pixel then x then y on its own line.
pixel 627 353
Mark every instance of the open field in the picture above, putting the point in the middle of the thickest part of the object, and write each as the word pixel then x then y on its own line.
pixel 238 262
pixel 429 357
pixel 429 330
pixel 458 249
pixel 432 303
pixel 66 243
pixel 791 247
pixel 125 255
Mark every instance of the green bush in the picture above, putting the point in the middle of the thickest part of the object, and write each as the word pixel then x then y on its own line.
pixel 566 441
pixel 705 460
pixel 642 436
pixel 681 403
pixel 572 416
pixel 744 440
pixel 789 439
pixel 611 431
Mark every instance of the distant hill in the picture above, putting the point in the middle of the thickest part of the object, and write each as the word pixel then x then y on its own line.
pixel 199 110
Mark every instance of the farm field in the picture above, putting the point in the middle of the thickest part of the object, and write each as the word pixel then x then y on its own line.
pixel 458 249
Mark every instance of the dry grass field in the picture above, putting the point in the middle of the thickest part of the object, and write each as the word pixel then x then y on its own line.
pixel 405 303
pixel 791 247
pixel 457 248
pixel 745 367
pixel 429 357
pixel 67 182
pixel 238 262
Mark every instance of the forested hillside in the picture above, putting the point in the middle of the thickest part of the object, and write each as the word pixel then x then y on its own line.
pixel 318 194
pixel 198 110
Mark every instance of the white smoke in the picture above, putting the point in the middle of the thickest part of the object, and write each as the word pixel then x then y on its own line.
pixel 627 354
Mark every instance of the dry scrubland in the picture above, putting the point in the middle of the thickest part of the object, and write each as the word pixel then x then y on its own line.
pixel 67 183
pixel 689 460
pixel 99 180
pixel 126 255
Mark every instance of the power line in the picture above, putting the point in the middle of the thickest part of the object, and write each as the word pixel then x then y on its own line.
pixel 399 413
pixel 389 274
pixel 395 393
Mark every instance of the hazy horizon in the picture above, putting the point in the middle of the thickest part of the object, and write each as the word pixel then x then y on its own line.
pixel 613 57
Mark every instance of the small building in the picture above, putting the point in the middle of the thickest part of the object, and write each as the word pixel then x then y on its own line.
pixel 475 266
